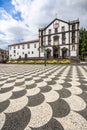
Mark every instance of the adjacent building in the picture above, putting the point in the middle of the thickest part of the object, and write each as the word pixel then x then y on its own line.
pixel 3 55
pixel 59 39
pixel 24 50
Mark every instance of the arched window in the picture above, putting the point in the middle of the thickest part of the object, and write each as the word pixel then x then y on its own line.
pixel 56 40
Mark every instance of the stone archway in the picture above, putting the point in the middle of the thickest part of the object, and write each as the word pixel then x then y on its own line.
pixel 55 52
pixel 64 52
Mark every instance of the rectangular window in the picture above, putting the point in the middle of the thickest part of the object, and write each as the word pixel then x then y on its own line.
pixel 77 26
pixel 28 52
pixel 14 47
pixel 73 26
pixel 49 40
pixel 23 53
pixel 19 57
pixel 44 40
pixel 73 48
pixel 63 38
pixel 49 31
pixel 41 49
pixel 56 30
pixel 22 46
pixel 44 32
pixel 63 28
pixel 73 37
pixel 32 52
pixel 14 51
pixel 56 40
pixel 28 45
pixel 34 45
pixel 18 46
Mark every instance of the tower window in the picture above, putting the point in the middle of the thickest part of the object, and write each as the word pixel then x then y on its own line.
pixel 56 30
pixel 49 31
pixel 49 40
pixel 73 48
pixel 63 38
pixel 63 28
pixel 73 37
pixel 73 27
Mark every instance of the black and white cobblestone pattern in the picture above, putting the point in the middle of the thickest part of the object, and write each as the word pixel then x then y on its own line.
pixel 43 98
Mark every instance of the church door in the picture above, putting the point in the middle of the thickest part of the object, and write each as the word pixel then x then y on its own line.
pixel 55 53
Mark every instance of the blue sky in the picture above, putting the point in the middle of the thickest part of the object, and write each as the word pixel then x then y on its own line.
pixel 21 19
pixel 6 4
pixel 9 8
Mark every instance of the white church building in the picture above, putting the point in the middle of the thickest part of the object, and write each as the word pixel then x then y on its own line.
pixel 59 39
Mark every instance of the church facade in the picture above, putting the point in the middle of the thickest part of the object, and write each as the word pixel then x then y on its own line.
pixel 59 39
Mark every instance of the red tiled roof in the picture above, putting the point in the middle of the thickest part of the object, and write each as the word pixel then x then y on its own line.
pixel 27 42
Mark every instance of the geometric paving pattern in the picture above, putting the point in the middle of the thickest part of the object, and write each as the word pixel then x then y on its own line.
pixel 35 97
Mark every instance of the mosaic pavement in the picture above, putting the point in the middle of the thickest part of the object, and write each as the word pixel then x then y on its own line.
pixel 43 98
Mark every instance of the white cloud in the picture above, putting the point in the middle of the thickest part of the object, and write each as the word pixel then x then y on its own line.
pixel 13 30
pixel 36 14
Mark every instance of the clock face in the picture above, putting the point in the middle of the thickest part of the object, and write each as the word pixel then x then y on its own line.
pixel 56 24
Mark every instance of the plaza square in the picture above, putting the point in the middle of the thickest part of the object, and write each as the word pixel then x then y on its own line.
pixel 38 97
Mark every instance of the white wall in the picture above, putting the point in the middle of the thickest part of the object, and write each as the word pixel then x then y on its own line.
pixel 61 24
pixel 59 28
pixel 26 50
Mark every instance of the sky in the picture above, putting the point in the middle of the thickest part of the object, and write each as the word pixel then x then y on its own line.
pixel 21 19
